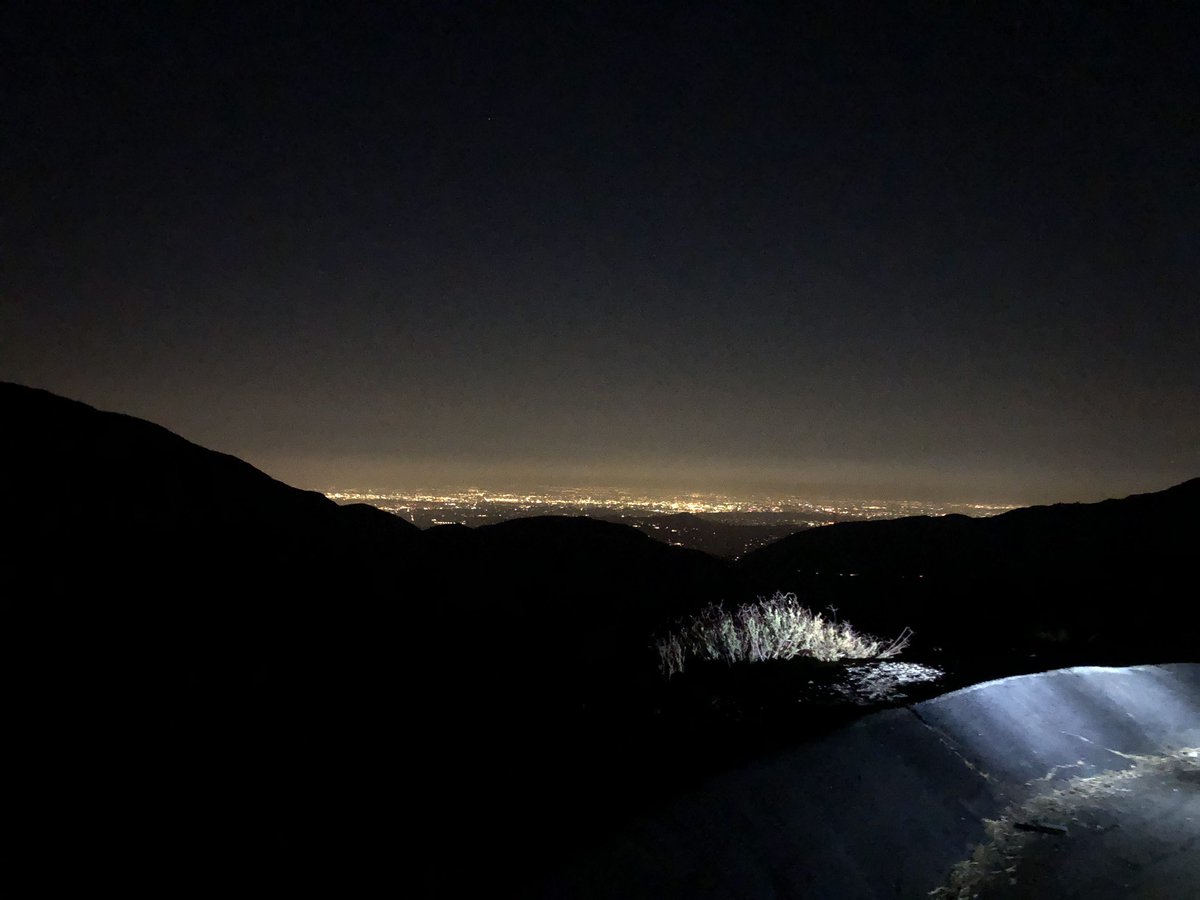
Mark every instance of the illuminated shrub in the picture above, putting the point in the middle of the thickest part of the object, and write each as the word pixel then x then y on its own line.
pixel 775 628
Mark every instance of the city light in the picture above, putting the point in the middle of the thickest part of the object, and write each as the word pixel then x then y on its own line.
pixel 474 506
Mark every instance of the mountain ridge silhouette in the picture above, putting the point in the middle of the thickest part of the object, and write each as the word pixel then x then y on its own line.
pixel 234 669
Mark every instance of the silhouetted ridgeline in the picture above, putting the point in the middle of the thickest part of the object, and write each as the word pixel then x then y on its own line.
pixel 257 679
pixel 101 498
pixel 1117 574
pixel 244 679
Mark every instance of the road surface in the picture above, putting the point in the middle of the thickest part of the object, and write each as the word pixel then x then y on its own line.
pixel 1077 783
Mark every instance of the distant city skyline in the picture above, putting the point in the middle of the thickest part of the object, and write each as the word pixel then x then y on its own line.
pixel 816 482
pixel 475 506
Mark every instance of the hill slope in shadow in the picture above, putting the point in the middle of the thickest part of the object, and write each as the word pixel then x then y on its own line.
pixel 236 679
pixel 1114 575
pixel 261 681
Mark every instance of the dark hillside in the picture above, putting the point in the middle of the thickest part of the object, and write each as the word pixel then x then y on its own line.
pixel 99 482
pixel 710 534
pixel 567 568
pixel 1115 574
pixel 283 655
pixel 234 681
pixel 194 638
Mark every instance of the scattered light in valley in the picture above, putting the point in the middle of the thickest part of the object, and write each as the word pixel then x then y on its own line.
pixel 478 506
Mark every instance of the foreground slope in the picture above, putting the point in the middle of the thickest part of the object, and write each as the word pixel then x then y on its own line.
pixel 250 678
pixel 239 681
pixel 194 642
pixel 1076 783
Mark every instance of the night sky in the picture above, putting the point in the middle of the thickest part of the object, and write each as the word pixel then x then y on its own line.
pixel 909 249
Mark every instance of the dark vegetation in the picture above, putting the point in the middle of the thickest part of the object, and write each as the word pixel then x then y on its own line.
pixel 230 681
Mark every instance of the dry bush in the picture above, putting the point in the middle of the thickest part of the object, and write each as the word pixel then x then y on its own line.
pixel 775 628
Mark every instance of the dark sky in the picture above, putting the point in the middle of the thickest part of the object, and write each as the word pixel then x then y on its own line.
pixel 915 249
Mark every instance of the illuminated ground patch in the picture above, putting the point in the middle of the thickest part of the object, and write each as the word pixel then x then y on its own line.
pixel 1118 831
pixel 881 682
